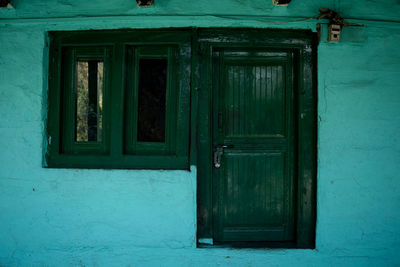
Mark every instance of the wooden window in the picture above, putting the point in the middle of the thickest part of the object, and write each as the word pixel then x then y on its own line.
pixel 85 100
pixel 150 122
pixel 119 100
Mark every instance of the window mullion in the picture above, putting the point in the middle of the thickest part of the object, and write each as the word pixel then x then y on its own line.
pixel 171 113
pixel 68 101
pixel 130 100
pixel 116 92
pixel 134 101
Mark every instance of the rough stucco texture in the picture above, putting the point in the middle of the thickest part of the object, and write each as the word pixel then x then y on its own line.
pixel 57 217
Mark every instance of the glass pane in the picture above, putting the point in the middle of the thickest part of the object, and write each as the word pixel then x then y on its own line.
pixel 152 98
pixel 89 101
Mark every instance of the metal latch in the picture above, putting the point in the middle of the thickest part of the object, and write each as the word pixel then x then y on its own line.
pixel 219 151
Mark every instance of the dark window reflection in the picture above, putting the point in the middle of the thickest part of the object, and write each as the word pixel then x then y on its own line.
pixel 89 101
pixel 152 99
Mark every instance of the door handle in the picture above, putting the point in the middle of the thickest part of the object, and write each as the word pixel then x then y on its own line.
pixel 219 151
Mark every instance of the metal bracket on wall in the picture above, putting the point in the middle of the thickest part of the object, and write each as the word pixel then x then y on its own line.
pixel 336 23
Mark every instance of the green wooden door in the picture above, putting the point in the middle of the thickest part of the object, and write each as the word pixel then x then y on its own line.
pixel 254 146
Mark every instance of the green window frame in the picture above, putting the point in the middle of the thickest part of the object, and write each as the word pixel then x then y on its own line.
pixel 121 54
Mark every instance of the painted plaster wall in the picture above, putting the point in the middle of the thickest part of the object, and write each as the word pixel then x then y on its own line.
pixel 58 217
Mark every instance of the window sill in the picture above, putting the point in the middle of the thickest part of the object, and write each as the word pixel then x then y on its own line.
pixel 121 162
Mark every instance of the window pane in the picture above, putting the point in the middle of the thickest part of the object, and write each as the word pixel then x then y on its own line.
pixel 152 99
pixel 89 101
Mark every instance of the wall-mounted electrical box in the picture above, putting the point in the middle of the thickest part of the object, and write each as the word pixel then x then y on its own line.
pixel 334 32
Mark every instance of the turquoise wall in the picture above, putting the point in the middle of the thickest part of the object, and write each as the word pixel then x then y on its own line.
pixel 59 217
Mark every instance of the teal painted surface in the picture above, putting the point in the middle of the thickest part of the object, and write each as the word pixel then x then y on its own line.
pixel 59 217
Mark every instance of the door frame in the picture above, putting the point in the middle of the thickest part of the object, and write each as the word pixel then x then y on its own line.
pixel 304 45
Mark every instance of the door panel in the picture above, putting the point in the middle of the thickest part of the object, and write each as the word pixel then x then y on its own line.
pixel 254 193
pixel 254 100
pixel 253 106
